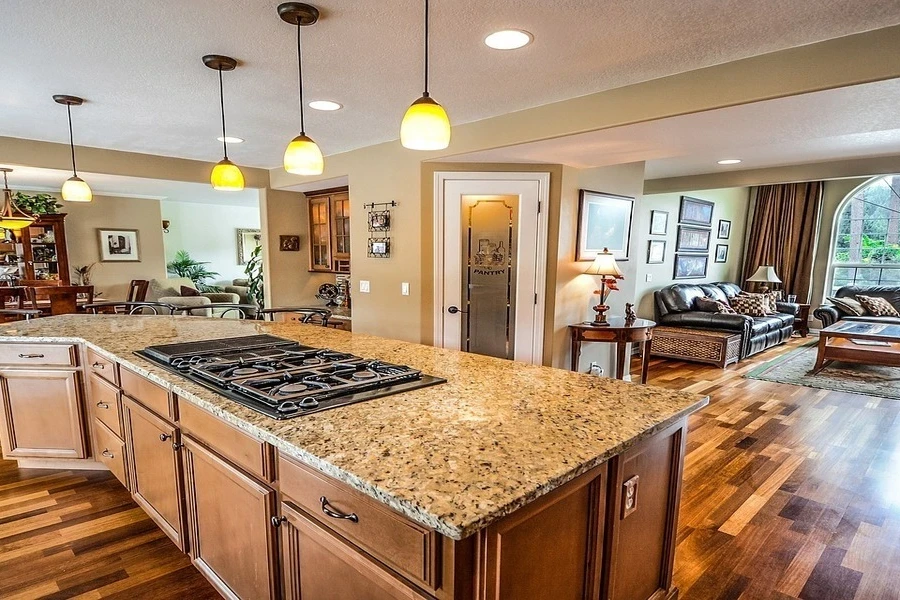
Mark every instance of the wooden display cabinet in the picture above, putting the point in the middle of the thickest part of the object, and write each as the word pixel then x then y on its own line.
pixel 39 250
pixel 329 231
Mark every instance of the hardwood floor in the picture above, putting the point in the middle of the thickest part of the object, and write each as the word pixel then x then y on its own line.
pixel 789 492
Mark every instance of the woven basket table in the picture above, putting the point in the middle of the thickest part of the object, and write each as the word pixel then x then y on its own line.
pixel 720 348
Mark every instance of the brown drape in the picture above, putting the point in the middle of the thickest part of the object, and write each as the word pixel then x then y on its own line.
pixel 783 234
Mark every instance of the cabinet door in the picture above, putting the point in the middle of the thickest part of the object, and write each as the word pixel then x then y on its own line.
pixel 155 469
pixel 42 414
pixel 340 226
pixel 320 566
pixel 232 535
pixel 319 234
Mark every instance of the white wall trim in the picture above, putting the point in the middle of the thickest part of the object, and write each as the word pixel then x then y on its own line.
pixel 543 180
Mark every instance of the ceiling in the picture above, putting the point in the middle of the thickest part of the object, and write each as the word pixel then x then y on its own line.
pixel 51 180
pixel 138 63
pixel 852 122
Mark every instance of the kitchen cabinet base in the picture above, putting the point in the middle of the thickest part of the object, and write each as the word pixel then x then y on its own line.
pixel 63 464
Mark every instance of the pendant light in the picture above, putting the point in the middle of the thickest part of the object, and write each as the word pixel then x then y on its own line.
pixel 302 156
pixel 12 217
pixel 426 125
pixel 226 176
pixel 74 189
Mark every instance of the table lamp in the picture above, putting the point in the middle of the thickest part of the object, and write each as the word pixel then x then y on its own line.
pixel 605 266
pixel 765 274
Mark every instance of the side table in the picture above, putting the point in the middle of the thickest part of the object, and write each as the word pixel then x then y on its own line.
pixel 620 333
pixel 801 322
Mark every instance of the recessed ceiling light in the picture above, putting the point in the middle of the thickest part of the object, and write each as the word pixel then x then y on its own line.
pixel 729 161
pixel 325 105
pixel 230 139
pixel 508 39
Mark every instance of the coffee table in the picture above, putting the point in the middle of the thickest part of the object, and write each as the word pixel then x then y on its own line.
pixel 859 342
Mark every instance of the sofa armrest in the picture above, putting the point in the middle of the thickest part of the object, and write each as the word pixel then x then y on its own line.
pixel 790 308
pixel 707 320
pixel 828 314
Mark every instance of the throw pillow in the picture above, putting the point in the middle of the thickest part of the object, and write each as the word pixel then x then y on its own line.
pixel 849 306
pixel 753 305
pixel 877 306
pixel 706 304
pixel 768 301
pixel 189 291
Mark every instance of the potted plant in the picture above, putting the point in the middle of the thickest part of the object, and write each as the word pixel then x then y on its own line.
pixel 83 274
pixel 254 272
pixel 185 266
pixel 37 204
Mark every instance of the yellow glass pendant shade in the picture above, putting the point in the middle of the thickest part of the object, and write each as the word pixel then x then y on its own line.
pixel 425 126
pixel 303 157
pixel 75 189
pixel 227 177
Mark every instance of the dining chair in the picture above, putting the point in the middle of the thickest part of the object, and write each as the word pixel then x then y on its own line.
pixel 124 307
pixel 15 305
pixel 137 290
pixel 33 283
pixel 222 310
pixel 63 300
pixel 307 314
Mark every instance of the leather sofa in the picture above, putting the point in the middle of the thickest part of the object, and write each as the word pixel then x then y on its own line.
pixel 830 314
pixel 675 308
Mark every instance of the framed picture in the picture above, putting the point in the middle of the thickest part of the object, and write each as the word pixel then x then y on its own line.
pixel 379 247
pixel 119 245
pixel 721 253
pixel 695 211
pixel 659 222
pixel 604 221
pixel 692 239
pixel 656 252
pixel 247 241
pixel 691 266
pixel 289 243
pixel 379 220
pixel 724 229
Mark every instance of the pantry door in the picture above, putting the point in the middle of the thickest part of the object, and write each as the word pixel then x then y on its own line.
pixel 490 263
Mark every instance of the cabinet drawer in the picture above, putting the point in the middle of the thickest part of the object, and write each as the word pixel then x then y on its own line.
pixel 406 546
pixel 247 452
pixel 33 355
pixel 147 393
pixel 106 404
pixel 103 367
pixel 110 450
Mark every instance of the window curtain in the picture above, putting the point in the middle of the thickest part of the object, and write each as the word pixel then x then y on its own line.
pixel 783 234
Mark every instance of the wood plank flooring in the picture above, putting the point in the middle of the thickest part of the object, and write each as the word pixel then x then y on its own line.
pixel 789 493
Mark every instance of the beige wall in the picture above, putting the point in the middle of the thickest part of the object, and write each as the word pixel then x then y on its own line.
pixel 82 223
pixel 731 204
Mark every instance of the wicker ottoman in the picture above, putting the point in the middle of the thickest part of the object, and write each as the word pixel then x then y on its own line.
pixel 720 348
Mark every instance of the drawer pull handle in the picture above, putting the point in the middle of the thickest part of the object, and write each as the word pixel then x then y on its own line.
pixel 277 521
pixel 103 405
pixel 164 437
pixel 108 454
pixel 31 356
pixel 326 508
pixel 98 365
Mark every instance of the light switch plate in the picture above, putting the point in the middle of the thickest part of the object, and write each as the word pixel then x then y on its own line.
pixel 363 286
pixel 404 288
pixel 649 277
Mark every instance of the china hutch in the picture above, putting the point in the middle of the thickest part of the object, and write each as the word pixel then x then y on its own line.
pixel 329 230
pixel 37 252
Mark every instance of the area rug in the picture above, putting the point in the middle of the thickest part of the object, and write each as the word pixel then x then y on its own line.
pixel 795 368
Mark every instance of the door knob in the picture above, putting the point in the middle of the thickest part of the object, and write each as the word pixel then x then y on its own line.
pixel 455 309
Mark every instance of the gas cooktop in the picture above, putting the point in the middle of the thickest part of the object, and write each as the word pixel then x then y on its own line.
pixel 283 379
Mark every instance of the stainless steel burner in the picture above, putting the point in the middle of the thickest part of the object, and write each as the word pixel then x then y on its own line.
pixel 364 375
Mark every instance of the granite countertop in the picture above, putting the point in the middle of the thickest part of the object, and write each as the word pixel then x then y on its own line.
pixel 454 457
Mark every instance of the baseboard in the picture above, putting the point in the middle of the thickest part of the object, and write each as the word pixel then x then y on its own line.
pixel 64 464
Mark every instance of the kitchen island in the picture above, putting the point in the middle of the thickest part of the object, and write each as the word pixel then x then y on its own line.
pixel 405 496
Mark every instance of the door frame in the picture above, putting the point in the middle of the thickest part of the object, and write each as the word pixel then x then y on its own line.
pixel 542 179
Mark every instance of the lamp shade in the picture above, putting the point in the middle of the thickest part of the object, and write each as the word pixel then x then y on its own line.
pixel 303 157
pixel 227 177
pixel 605 264
pixel 425 126
pixel 765 274
pixel 75 189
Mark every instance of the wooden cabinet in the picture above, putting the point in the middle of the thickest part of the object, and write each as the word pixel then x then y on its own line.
pixel 42 414
pixel 40 250
pixel 320 566
pixel 231 526
pixel 329 231
pixel 154 461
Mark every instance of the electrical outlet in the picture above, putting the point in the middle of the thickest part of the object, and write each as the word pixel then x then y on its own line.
pixel 629 496
pixel 596 369
pixel 648 277
pixel 364 286
pixel 404 288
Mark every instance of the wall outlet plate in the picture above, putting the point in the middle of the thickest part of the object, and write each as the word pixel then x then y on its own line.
pixel 404 288
pixel 630 495
pixel 364 286
pixel 649 277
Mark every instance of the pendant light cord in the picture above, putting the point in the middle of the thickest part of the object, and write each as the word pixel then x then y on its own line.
pixel 300 79
pixel 222 106
pixel 71 141
pixel 426 49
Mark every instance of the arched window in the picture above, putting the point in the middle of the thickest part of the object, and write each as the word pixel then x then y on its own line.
pixel 866 245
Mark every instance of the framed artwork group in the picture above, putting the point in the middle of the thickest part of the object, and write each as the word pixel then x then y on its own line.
pixel 695 218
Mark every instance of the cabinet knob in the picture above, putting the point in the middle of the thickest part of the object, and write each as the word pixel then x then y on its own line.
pixel 107 453
pixel 165 437
pixel 98 365
pixel 277 521
pixel 335 514
pixel 103 405
pixel 177 447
